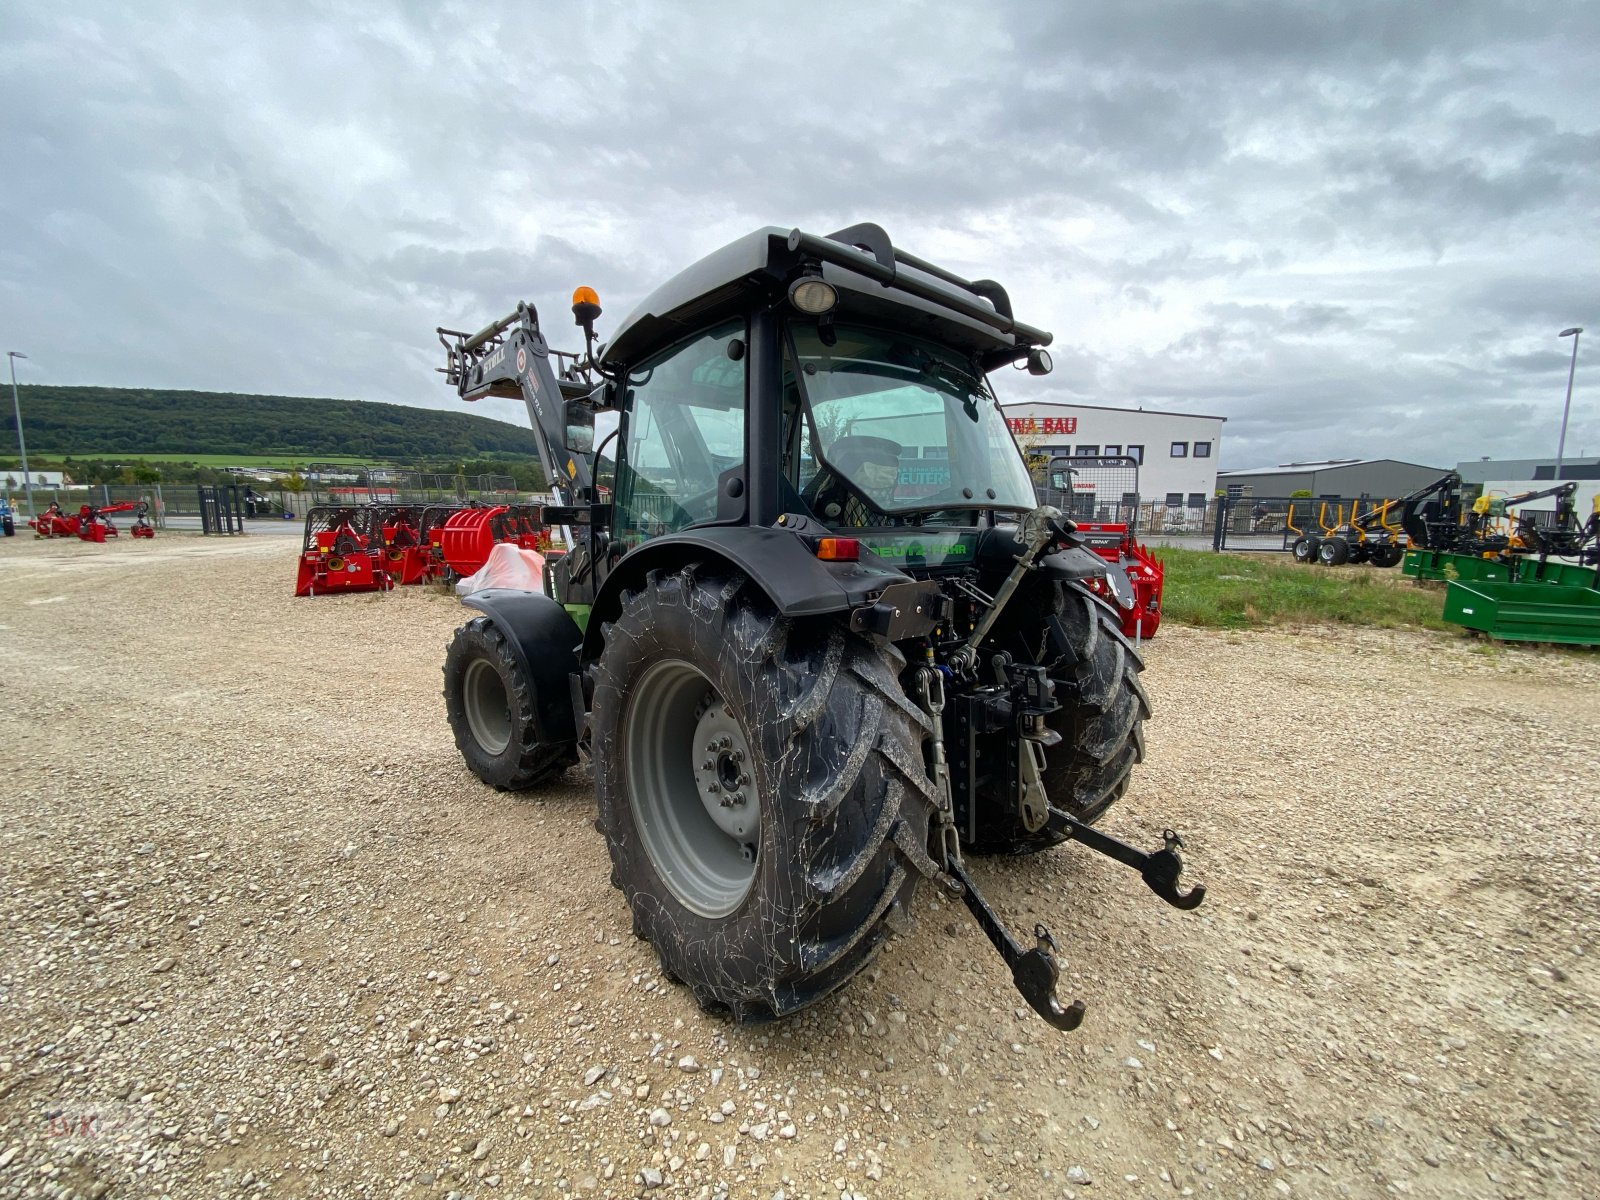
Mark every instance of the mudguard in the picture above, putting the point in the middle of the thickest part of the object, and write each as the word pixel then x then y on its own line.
pixel 545 639
pixel 775 560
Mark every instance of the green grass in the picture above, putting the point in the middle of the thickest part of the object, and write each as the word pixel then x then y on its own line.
pixel 1251 591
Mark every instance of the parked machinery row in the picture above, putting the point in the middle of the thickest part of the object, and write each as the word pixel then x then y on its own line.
pixel 92 522
pixel 1383 533
pixel 372 548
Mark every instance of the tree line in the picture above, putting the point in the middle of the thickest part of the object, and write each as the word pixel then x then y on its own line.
pixel 130 423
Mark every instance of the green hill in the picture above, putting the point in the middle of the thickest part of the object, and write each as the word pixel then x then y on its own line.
pixel 108 422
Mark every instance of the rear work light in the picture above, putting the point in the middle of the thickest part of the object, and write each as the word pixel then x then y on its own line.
pixel 837 549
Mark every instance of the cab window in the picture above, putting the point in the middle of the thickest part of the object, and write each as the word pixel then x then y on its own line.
pixel 684 429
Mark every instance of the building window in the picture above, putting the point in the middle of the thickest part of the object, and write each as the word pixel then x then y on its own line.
pixel 1235 491
pixel 1113 450
pixel 1197 499
pixel 1174 499
pixel 1202 449
pixel 1180 449
pixel 1088 451
pixel 1136 453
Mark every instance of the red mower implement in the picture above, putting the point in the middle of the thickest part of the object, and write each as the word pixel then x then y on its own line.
pixel 339 554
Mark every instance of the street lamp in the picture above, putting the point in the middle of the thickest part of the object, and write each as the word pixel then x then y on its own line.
pixel 16 406
pixel 1561 446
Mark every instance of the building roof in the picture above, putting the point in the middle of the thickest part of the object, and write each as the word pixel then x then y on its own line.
pixel 1483 470
pixel 1327 464
pixel 1153 412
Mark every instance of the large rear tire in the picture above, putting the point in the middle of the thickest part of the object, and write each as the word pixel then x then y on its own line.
pixel 769 903
pixel 1101 719
pixel 489 701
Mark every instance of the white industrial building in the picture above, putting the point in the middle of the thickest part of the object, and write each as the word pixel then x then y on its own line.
pixel 1177 452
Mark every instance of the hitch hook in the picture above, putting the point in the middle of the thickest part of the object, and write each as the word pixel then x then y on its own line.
pixel 1034 972
pixel 1161 871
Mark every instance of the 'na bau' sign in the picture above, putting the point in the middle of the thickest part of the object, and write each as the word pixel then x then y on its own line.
pixel 1067 425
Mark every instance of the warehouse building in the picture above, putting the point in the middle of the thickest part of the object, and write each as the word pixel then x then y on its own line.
pixel 1177 452
pixel 1483 470
pixel 1370 478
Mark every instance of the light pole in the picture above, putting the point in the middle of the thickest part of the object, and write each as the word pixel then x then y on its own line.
pixel 16 407
pixel 1561 446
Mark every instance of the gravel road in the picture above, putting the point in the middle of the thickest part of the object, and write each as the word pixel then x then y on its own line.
pixel 265 935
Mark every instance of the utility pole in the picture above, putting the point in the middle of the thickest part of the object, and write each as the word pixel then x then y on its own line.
pixel 1561 446
pixel 16 407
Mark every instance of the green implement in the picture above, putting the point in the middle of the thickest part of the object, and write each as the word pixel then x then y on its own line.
pixel 1440 565
pixel 1523 612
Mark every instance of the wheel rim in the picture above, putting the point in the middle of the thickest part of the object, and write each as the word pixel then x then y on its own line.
pixel 688 770
pixel 483 695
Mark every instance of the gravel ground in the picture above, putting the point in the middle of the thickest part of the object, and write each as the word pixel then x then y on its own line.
pixel 264 934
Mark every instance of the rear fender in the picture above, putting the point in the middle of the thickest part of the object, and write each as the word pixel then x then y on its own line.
pixel 777 561
pixel 545 640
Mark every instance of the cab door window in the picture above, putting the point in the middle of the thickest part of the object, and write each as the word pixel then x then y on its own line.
pixel 684 430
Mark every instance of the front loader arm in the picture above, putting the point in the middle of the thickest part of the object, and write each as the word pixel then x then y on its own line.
pixel 511 358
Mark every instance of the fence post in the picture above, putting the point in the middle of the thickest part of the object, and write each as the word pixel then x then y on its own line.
pixel 1219 533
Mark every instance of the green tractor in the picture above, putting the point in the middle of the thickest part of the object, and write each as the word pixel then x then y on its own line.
pixel 812 631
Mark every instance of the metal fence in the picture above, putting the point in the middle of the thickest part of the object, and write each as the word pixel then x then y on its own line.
pixel 1276 522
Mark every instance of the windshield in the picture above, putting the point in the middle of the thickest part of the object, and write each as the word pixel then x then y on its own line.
pixel 902 424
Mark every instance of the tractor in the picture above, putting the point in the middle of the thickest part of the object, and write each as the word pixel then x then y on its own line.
pixel 813 633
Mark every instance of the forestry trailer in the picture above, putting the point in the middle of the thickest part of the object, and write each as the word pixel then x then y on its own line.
pixel 812 630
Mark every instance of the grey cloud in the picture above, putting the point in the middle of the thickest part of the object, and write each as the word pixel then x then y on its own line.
pixel 1337 224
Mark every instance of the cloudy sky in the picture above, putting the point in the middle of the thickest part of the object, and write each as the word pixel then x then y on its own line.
pixel 1350 228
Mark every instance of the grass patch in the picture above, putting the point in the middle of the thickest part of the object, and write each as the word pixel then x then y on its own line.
pixel 1248 591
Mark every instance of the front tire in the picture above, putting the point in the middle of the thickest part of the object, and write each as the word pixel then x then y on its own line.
pixel 769 904
pixel 489 701
pixel 1101 719
pixel 1305 549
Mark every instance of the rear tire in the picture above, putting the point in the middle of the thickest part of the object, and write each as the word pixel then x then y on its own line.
pixel 1334 552
pixel 10 526
pixel 1304 549
pixel 1101 721
pixel 489 702
pixel 837 783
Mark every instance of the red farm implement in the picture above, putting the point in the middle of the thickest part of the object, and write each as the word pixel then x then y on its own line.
pixel 92 522
pixel 340 554
pixel 405 555
pixel 53 522
pixel 469 534
pixel 1101 495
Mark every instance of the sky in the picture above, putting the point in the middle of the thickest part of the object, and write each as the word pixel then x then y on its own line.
pixel 1353 229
